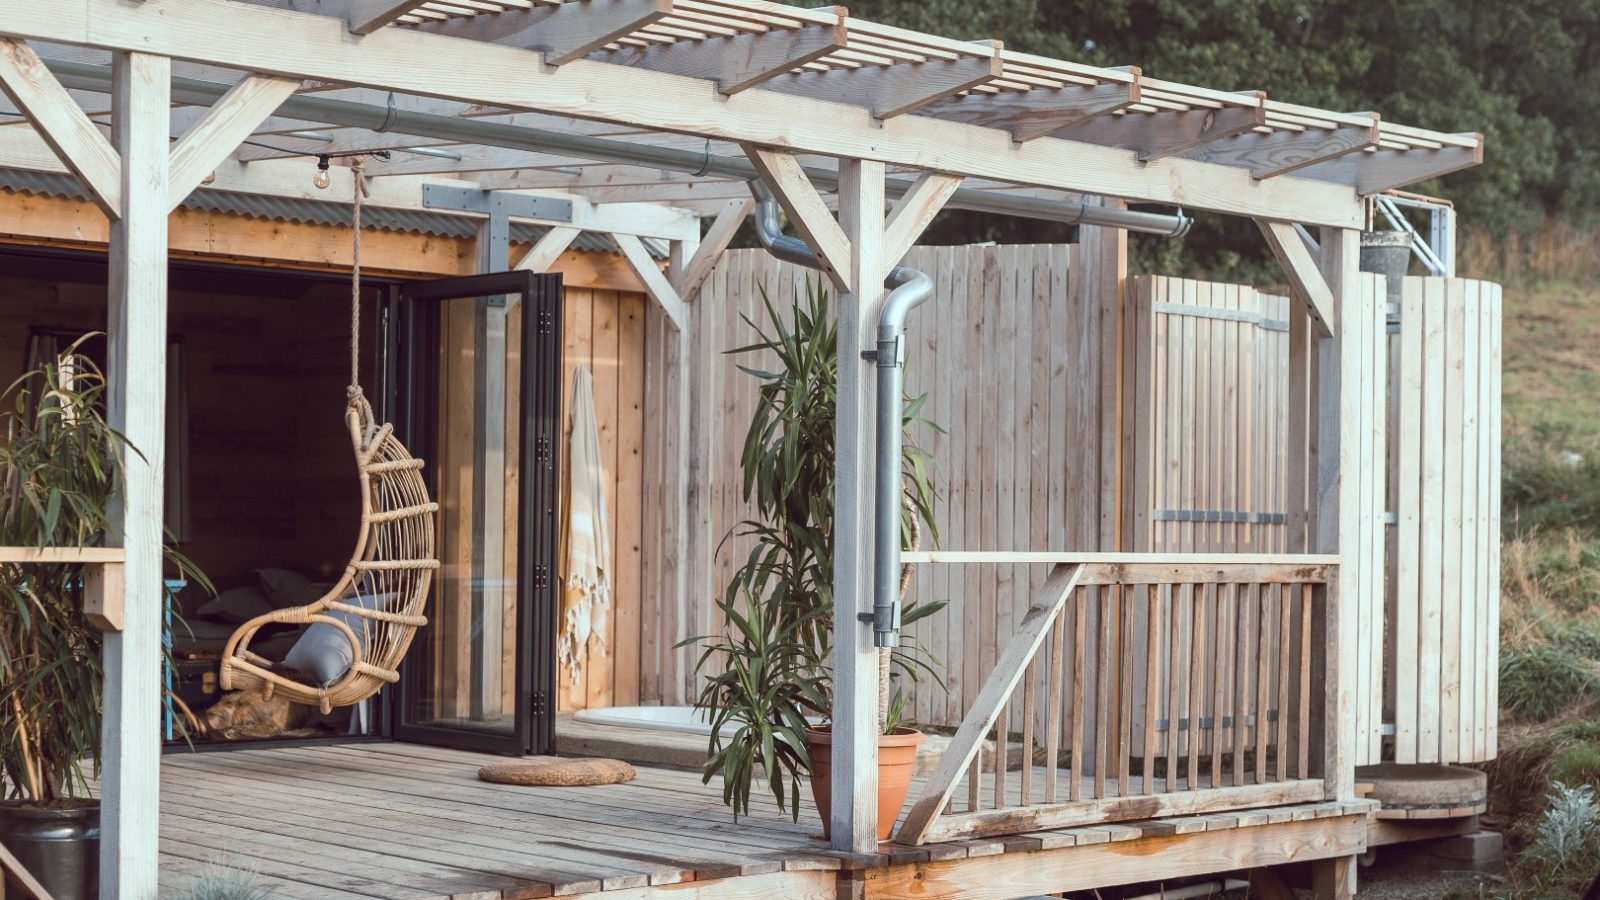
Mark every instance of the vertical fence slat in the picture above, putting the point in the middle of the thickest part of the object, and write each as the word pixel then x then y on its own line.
pixel 1263 730
pixel 1029 701
pixel 1305 681
pixel 1282 595
pixel 1197 682
pixel 1053 723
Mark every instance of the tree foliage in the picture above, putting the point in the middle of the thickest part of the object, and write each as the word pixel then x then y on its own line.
pixel 1526 75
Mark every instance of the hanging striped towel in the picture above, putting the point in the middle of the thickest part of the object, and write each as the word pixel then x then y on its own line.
pixel 587 596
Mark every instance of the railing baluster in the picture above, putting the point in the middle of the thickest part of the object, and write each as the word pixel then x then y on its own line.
pixel 1305 592
pixel 1080 700
pixel 975 783
pixel 1029 700
pixel 1197 678
pixel 1284 636
pixel 1174 686
pixel 1241 680
pixel 1263 679
pixel 1219 682
pixel 1002 753
pixel 1152 683
pixel 1125 622
pixel 1102 712
pixel 1053 723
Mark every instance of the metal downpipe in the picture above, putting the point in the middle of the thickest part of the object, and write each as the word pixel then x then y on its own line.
pixel 910 289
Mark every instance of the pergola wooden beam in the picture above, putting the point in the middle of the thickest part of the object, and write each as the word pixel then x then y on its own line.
pixel 63 125
pixel 544 253
pixel 1160 135
pixel 807 211
pixel 1039 112
pixel 1282 152
pixel 737 62
pixel 1305 276
pixel 893 90
pixel 562 33
pixel 914 211
pixel 712 246
pixel 1376 171
pixel 319 48
pixel 218 134
pixel 367 16
pixel 655 281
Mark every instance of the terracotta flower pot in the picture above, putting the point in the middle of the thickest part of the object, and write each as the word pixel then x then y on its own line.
pixel 897 759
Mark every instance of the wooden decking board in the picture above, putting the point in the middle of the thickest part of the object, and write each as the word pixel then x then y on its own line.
pixel 686 848
pixel 423 857
pixel 625 807
pixel 412 823
pixel 353 834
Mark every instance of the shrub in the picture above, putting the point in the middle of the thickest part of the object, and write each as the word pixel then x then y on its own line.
pixel 1540 682
pixel 220 881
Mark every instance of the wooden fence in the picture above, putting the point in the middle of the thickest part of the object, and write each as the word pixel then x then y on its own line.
pixel 1444 566
pixel 1019 455
pixel 1014 361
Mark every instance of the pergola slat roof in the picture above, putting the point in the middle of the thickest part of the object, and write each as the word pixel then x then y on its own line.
pixel 822 54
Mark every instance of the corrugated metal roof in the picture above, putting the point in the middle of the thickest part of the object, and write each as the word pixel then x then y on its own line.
pixel 312 212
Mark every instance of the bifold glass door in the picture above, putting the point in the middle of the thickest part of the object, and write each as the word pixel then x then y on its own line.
pixel 472 378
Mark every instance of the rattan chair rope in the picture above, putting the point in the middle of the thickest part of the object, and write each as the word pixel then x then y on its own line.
pixel 386 584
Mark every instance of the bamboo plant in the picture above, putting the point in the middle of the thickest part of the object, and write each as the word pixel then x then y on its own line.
pixel 60 468
pixel 770 670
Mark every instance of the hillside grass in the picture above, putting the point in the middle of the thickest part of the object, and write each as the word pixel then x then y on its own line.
pixel 1544 783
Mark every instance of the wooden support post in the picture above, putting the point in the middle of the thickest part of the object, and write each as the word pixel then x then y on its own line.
pixel 136 371
pixel 1334 878
pixel 1343 428
pixel 855 667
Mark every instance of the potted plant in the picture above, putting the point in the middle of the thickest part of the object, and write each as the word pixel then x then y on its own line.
pixel 59 469
pixel 771 681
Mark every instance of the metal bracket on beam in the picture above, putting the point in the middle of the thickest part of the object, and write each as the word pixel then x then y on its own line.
pixel 517 206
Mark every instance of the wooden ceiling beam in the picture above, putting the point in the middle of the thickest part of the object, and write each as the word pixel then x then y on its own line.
pixel 1376 171
pixel 1038 112
pixel 738 62
pixel 893 90
pixel 229 121
pixel 62 124
pixel 367 16
pixel 1159 135
pixel 562 33
pixel 1282 152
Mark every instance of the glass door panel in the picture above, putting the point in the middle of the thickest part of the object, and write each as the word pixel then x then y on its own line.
pixel 483 668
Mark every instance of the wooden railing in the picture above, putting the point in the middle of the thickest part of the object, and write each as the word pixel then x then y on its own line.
pixel 1140 686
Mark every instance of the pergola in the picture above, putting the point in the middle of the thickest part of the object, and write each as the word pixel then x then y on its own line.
pixel 478 101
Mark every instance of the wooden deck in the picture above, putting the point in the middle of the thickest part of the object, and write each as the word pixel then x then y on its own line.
pixel 410 822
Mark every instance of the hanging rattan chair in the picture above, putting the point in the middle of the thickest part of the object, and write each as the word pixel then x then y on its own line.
pixel 384 589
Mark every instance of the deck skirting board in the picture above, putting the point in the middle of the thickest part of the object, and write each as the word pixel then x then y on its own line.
pixel 770 886
pixel 1083 867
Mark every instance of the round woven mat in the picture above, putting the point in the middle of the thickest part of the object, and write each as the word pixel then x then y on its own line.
pixel 551 772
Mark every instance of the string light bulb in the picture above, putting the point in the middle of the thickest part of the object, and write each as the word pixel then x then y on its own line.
pixel 322 178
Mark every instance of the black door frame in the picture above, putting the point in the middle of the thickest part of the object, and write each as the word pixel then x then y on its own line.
pixel 409 397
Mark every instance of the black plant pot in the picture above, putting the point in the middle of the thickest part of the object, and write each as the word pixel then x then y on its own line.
pixel 60 846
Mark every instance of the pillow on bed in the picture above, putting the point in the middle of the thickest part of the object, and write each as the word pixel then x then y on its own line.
pixel 285 588
pixel 238 605
pixel 324 652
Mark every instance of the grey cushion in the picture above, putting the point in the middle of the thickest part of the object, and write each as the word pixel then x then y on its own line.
pixel 285 588
pixel 324 652
pixel 239 605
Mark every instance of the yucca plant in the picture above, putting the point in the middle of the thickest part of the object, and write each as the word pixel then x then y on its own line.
pixel 774 656
pixel 59 471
